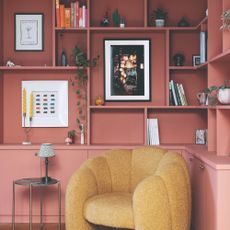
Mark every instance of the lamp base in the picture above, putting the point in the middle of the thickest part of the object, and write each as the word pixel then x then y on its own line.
pixel 46 180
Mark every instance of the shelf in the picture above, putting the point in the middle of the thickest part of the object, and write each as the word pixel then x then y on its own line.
pixel 71 29
pixel 182 67
pixel 202 66
pixel 223 57
pixel 147 107
pixel 43 68
pixel 203 21
pixel 227 107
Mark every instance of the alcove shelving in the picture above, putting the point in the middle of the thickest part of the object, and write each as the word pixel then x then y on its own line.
pixel 126 121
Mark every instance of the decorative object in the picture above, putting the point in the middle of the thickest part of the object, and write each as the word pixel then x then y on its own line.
pixel 201 136
pixel 105 20
pixel 116 18
pixel 195 60
pixel 99 101
pixel 9 63
pixel 28 31
pixel 224 94
pixel 211 95
pixel 183 23
pixel 127 69
pixel 82 129
pixel 202 98
pixel 64 58
pixel 44 103
pixel 46 151
pixel 122 22
pixel 225 17
pixel 178 59
pixel 80 82
pixel 68 140
pixel 160 16
pixel 71 135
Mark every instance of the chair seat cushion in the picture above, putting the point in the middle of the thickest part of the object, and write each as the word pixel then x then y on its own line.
pixel 110 209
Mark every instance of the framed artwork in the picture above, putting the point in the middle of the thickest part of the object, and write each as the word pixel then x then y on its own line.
pixel 44 103
pixel 127 69
pixel 195 60
pixel 28 32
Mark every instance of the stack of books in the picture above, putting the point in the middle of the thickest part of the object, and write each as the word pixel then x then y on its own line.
pixel 74 16
pixel 152 132
pixel 177 95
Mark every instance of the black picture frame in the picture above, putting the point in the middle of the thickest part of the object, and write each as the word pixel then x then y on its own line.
pixel 195 60
pixel 29 32
pixel 127 69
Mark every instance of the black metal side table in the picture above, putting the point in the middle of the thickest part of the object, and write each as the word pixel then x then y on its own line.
pixel 38 183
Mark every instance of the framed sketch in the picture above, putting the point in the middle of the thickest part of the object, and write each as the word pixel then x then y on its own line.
pixel 127 69
pixel 195 60
pixel 28 32
pixel 44 103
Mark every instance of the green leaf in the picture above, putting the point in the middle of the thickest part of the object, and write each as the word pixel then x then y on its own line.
pixel 78 91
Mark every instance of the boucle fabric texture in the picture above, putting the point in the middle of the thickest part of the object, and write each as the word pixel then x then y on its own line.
pixel 145 189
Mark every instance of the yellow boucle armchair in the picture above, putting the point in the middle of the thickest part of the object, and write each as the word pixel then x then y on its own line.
pixel 145 189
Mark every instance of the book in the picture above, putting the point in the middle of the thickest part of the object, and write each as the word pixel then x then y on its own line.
pixel 77 14
pixel 177 93
pixel 183 94
pixel 180 94
pixel 62 15
pixel 72 14
pixel 203 47
pixel 152 131
pixel 174 93
pixel 58 20
pixel 67 18
pixel 80 18
pixel 83 16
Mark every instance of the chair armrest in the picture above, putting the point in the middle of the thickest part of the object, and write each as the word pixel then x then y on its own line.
pixel 150 205
pixel 81 186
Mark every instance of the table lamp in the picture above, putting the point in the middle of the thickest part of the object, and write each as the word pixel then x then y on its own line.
pixel 46 151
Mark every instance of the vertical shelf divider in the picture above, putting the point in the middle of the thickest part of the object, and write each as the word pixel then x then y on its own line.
pixel 167 56
pixel 53 33
pixel 145 13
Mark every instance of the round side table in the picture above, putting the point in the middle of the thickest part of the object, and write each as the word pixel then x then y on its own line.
pixel 36 183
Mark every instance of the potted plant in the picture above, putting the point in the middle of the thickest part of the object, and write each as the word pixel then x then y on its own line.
pixel 159 15
pixel 71 137
pixel 224 94
pixel 211 95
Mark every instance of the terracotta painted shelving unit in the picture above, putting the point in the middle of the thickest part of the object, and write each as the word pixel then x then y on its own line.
pixel 165 42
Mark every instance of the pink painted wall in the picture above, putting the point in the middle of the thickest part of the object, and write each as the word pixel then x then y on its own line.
pixel 1 62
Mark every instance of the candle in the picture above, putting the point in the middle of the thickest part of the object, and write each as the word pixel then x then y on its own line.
pixel 24 102
pixel 31 106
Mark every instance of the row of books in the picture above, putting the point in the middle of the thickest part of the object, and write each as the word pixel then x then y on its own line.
pixel 74 16
pixel 177 95
pixel 203 47
pixel 153 132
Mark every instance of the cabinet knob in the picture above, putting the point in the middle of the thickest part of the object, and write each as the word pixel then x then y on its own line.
pixel 202 167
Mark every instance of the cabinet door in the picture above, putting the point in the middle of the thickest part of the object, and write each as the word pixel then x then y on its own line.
pixel 198 194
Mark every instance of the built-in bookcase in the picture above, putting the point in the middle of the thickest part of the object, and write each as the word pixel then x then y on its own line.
pixel 121 122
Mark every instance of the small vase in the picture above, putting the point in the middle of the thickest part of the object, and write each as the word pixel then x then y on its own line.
pixel 224 96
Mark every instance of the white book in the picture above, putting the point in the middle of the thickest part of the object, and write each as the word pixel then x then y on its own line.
pixel 152 132
pixel 183 93
pixel 180 94
pixel 83 16
pixel 202 47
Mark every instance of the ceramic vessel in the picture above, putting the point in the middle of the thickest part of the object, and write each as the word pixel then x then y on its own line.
pixel 160 22
pixel 224 96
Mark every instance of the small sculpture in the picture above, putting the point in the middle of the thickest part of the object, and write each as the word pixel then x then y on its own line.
pixel 105 20
pixel 183 23
pixel 178 59
pixel 99 101
pixel 9 63
pixel 68 140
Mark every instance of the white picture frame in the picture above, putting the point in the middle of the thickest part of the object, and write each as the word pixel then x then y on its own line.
pixel 29 32
pixel 118 56
pixel 53 112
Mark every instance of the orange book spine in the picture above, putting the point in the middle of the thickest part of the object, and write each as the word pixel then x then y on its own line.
pixel 62 16
pixel 58 24
pixel 67 17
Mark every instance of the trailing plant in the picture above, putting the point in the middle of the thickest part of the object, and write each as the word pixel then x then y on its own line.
pixel 80 83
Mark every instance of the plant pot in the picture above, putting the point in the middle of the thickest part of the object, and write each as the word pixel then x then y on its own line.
pixel 224 96
pixel 211 100
pixel 160 22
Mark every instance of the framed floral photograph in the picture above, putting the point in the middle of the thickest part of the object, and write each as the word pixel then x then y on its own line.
pixel 28 31
pixel 127 69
